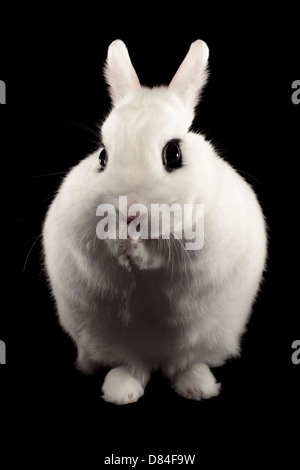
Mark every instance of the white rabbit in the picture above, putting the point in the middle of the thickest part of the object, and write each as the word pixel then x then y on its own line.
pixel 137 304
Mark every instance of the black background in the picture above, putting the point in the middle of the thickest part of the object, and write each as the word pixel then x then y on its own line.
pixel 56 97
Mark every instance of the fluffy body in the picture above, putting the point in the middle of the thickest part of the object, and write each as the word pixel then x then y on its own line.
pixel 140 305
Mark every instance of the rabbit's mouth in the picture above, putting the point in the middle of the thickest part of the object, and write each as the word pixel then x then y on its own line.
pixel 132 253
pixel 135 254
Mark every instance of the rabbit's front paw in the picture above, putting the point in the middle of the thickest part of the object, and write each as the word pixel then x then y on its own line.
pixel 120 387
pixel 197 383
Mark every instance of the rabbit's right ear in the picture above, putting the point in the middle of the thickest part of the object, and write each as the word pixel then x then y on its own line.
pixel 191 76
pixel 119 72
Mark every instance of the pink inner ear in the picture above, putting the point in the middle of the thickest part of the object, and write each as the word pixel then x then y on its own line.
pixel 191 76
pixel 119 72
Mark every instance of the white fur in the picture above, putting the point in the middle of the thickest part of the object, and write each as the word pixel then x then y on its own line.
pixel 139 305
pixel 121 387
pixel 197 383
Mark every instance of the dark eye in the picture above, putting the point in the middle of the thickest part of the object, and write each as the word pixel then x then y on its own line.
pixel 172 156
pixel 102 159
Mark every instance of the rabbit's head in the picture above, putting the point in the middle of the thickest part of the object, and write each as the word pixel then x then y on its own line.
pixel 147 153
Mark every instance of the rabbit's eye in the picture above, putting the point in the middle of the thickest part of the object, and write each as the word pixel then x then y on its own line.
pixel 172 158
pixel 102 159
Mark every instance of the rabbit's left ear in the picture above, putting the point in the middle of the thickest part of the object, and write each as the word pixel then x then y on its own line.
pixel 191 76
pixel 119 72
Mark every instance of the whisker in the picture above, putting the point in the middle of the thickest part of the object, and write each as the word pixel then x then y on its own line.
pixel 36 207
pixel 184 256
pixel 28 254
pixel 19 245
pixel 51 197
pixel 255 179
pixel 83 126
pixel 39 176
